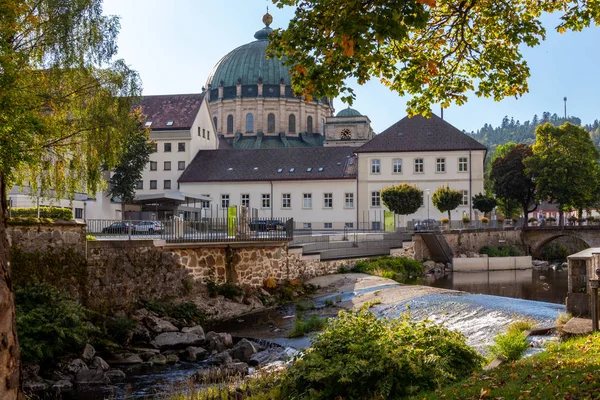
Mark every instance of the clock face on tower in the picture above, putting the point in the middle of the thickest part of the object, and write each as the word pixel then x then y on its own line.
pixel 346 134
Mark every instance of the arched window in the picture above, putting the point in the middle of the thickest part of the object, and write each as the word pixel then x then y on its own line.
pixel 271 123
pixel 309 128
pixel 215 122
pixel 292 124
pixel 230 123
pixel 249 122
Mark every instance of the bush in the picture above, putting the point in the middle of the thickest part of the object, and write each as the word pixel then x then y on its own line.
pixel 502 251
pixel 500 220
pixel 45 212
pixel 304 326
pixel 400 269
pixel 359 356
pixel 21 221
pixel 550 219
pixel 227 290
pixel 444 221
pixel 50 323
pixel 532 219
pixel 167 308
pixel 117 328
pixel 466 219
pixel 555 252
pixel 521 326
pixel 484 220
pixel 510 345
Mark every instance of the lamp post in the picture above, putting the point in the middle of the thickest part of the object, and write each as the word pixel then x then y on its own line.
pixel 595 283
pixel 427 203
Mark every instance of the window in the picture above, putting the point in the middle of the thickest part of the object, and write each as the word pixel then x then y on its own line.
pixel 153 184
pixel 292 124
pixel 180 165
pixel 153 165
pixel 205 203
pixel 266 200
pixel 327 225
pixel 440 165
pixel 309 127
pixel 249 122
pixel 375 166
pixel 462 164
pixel 167 184
pixel 199 131
pixel 307 200
pixel 349 225
pixel 286 200
pixel 224 200
pixel 271 123
pixel 328 200
pixel 79 213
pixel 169 123
pixel 139 185
pixel 215 122
pixel 203 133
pixel 307 225
pixel 376 225
pixel 246 200
pixel 230 124
pixel 167 147
pixel 465 198
pixel 167 166
pixel 181 146
pixel 397 163
pixel 154 147
pixel 207 135
pixel 349 200
pixel 322 126
pixel 375 199
pixel 418 165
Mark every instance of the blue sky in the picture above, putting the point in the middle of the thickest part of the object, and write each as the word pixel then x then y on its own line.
pixel 174 45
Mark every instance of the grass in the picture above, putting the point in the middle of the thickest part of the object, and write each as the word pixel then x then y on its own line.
pixel 568 370
pixel 563 318
pixel 303 326
pixel 512 345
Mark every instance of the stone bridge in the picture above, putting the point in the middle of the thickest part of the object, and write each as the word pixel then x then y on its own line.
pixel 531 239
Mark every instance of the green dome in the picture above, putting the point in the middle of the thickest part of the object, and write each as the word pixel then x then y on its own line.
pixel 349 112
pixel 250 64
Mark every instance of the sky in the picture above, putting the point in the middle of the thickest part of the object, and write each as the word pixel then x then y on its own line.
pixel 175 44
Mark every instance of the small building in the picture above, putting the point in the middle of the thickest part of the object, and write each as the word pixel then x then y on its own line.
pixel 582 268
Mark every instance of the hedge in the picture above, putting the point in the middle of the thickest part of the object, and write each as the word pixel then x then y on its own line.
pixel 45 212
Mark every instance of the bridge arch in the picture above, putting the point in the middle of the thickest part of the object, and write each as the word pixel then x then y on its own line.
pixel 536 247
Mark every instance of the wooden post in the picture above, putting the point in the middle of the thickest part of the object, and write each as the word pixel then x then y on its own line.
pixel 594 305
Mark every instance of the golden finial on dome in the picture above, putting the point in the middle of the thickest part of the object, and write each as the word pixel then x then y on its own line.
pixel 267 18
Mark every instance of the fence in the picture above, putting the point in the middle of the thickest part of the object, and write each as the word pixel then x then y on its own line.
pixel 433 225
pixel 204 230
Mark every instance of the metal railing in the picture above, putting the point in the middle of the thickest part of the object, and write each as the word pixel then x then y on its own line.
pixel 177 230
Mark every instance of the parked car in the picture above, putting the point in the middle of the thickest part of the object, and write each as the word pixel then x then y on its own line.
pixel 149 227
pixel 119 227
pixel 426 225
pixel 265 225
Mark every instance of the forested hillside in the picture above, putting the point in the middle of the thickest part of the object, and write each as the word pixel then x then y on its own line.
pixel 524 132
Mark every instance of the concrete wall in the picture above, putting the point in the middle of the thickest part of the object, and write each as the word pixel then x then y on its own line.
pixel 491 263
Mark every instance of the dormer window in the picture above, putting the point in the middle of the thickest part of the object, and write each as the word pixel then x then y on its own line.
pixel 169 123
pixel 148 123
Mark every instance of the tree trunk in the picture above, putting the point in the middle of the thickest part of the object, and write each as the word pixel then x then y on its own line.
pixel 449 219
pixel 10 366
pixel 579 216
pixel 561 222
pixel 526 214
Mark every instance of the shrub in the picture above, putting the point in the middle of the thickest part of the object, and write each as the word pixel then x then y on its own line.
pixel 228 290
pixel 167 308
pixel 532 219
pixel 555 252
pixel 21 221
pixel 484 220
pixel 502 251
pixel 500 219
pixel 444 221
pixel 400 269
pixel 90 237
pixel 550 219
pixel 359 356
pixel 304 326
pixel 45 212
pixel 50 323
pixel 466 219
pixel 563 318
pixel 521 326
pixel 117 328
pixel 510 345
pixel 515 219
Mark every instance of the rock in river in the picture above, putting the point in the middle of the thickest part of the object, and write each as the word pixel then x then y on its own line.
pixel 158 325
pixel 177 339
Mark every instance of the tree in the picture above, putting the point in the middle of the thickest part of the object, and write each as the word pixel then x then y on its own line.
pixel 402 199
pixel 565 166
pixel 128 171
pixel 434 51
pixel 61 118
pixel 484 203
pixel 446 199
pixel 512 182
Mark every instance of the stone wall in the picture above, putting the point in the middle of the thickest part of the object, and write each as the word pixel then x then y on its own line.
pixel 32 238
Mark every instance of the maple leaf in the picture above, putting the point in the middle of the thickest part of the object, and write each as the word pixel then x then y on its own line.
pixel 430 3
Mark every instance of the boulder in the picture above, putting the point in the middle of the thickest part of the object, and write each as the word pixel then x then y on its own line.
pixel 176 322
pixel 76 365
pixel 91 377
pixel 427 265
pixel 218 341
pixel 56 375
pixel 243 350
pixel 124 358
pixel 192 353
pixel 30 371
pixel 98 363
pixel 158 359
pixel 194 329
pixel 115 374
pixel 172 359
pixel 176 339
pixel 140 314
pixel 35 386
pixel 158 325
pixel 141 335
pixel 222 358
pixel 88 352
pixel 62 386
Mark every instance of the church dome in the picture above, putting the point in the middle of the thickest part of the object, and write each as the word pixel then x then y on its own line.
pixel 248 64
pixel 349 112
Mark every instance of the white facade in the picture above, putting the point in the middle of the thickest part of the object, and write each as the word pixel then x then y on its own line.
pixel 461 170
